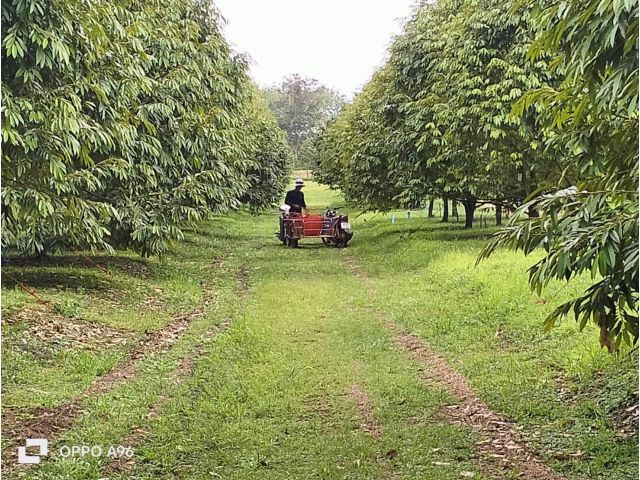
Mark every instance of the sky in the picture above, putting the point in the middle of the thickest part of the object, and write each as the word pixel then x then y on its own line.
pixel 338 42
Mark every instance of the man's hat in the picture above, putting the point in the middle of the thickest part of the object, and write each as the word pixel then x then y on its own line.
pixel 299 182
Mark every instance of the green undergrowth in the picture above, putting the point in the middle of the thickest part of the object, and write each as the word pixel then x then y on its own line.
pixel 269 397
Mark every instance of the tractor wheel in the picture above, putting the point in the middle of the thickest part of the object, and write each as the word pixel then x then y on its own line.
pixel 347 237
pixel 286 235
pixel 343 239
pixel 329 241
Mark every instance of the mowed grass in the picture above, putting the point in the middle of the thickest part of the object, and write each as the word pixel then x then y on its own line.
pixel 268 398
pixel 271 401
pixel 561 387
pixel 113 301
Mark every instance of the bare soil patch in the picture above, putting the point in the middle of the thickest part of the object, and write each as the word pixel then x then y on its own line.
pixel 217 261
pixel 243 281
pixel 357 271
pixel 625 420
pixel 46 329
pixel 369 423
pixel 317 406
pixel 152 303
pixel 624 416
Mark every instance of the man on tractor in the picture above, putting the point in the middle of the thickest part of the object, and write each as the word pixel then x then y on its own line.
pixel 293 203
pixel 295 197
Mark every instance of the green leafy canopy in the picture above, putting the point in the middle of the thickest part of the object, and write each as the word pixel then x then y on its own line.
pixel 124 123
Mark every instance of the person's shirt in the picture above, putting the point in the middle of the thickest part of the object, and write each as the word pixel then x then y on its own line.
pixel 295 199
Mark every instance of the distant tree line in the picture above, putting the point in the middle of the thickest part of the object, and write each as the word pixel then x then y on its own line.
pixel 124 122
pixel 527 105
pixel 303 107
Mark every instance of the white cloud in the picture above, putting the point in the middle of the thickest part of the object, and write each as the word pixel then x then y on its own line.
pixel 339 42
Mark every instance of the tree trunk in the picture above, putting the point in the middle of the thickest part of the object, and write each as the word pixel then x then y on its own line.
pixel 533 212
pixel 469 210
pixel 498 215
pixel 454 209
pixel 430 212
pixel 445 209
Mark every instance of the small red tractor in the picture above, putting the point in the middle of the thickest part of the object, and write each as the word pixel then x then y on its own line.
pixel 332 227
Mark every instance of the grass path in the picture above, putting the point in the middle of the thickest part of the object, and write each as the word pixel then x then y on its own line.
pixel 316 388
pixel 297 366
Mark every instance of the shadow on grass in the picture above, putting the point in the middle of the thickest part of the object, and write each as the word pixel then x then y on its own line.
pixel 430 230
pixel 77 272
pixel 465 234
pixel 213 236
pixel 138 267
pixel 47 280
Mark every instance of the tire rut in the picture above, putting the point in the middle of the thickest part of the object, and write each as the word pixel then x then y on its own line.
pixel 186 366
pixel 501 450
pixel 370 424
pixel 51 422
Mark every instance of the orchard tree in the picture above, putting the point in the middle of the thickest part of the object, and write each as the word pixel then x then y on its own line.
pixel 591 227
pixel 439 118
pixel 504 102
pixel 270 155
pixel 202 108
pixel 124 123
pixel 65 108
pixel 464 67
pixel 356 152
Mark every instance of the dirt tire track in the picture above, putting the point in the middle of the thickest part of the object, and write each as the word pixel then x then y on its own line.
pixel 369 422
pixel 120 465
pixel 501 449
pixel 50 422
pixel 243 283
pixel 370 425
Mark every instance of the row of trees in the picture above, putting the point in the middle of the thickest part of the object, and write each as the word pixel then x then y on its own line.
pixel 125 122
pixel 437 119
pixel 302 107
pixel 518 104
